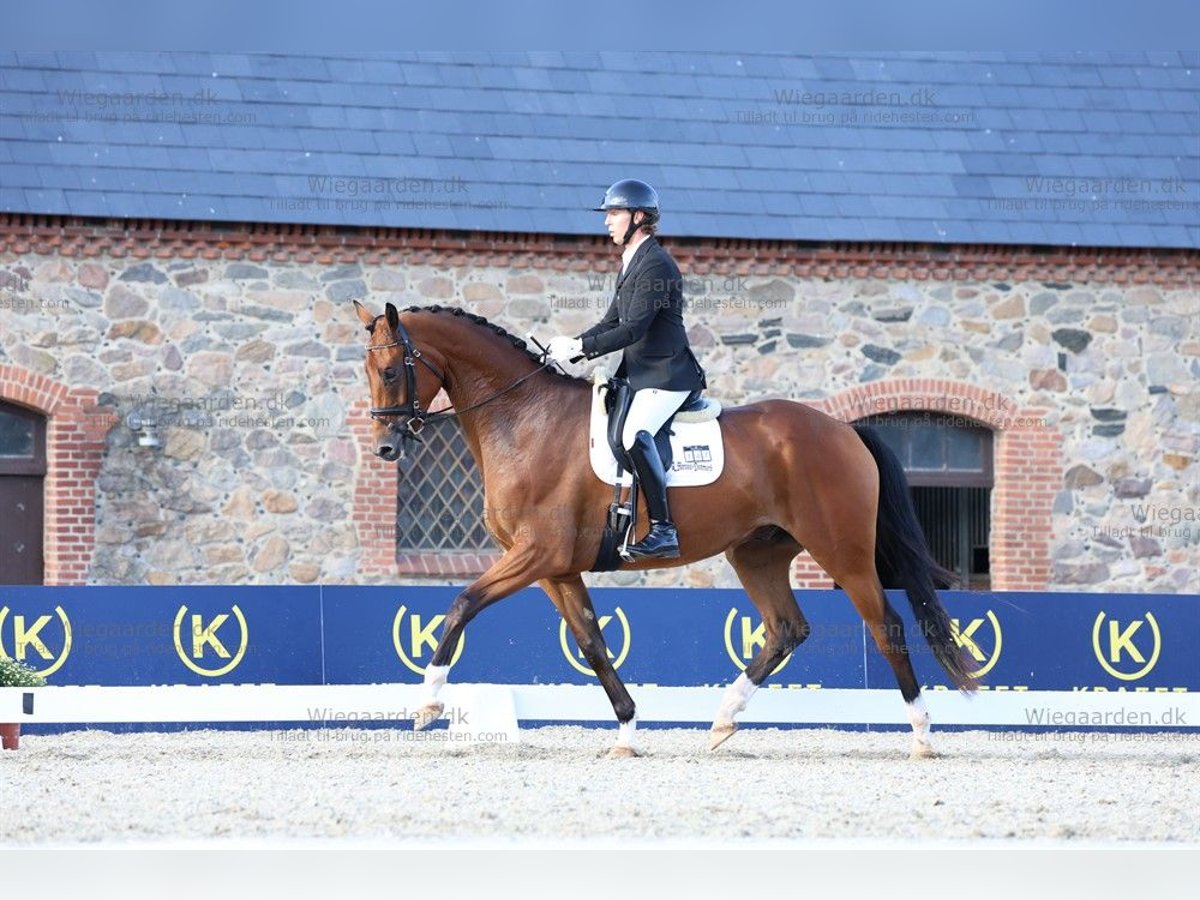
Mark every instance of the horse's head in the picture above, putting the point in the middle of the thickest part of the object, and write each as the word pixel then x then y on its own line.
pixel 403 378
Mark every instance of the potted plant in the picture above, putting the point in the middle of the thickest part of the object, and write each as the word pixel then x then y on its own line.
pixel 18 675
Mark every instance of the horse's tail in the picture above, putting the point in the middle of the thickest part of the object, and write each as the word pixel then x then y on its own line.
pixel 903 560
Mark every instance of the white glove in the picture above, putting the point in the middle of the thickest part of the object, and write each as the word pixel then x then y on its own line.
pixel 563 349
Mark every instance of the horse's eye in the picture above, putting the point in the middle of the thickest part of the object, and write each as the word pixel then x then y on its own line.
pixel 389 374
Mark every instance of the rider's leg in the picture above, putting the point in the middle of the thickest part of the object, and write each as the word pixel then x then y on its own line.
pixel 649 410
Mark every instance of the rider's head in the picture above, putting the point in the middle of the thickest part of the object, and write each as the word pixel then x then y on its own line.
pixel 629 205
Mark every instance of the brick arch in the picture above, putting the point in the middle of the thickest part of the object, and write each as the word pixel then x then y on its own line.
pixel 1027 468
pixel 76 429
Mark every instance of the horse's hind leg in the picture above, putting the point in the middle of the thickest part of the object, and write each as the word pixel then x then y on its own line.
pixel 762 564
pixel 573 602
pixel 887 628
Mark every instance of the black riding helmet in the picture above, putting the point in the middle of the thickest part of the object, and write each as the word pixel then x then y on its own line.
pixel 633 195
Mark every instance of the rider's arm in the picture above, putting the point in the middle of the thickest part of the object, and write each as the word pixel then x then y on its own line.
pixel 610 320
pixel 649 295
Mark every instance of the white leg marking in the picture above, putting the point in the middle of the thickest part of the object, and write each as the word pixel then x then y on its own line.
pixel 627 733
pixel 435 680
pixel 736 696
pixel 919 717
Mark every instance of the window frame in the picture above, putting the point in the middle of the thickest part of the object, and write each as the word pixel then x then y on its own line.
pixel 35 463
pixel 983 477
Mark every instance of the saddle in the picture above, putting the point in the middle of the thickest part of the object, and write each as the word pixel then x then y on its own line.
pixel 689 444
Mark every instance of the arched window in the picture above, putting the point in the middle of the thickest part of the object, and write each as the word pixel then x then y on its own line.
pixel 948 460
pixel 22 474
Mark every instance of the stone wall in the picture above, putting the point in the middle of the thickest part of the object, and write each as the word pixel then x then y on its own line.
pixel 248 371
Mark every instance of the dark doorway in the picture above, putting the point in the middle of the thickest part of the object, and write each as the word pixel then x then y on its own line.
pixel 948 460
pixel 22 477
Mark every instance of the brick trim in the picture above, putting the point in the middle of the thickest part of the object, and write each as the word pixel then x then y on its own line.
pixel 466 564
pixel 1027 470
pixel 325 244
pixel 76 437
pixel 375 489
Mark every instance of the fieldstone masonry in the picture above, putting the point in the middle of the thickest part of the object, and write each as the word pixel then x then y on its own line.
pixel 208 415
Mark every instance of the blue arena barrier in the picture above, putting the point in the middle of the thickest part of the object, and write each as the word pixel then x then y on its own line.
pixel 326 635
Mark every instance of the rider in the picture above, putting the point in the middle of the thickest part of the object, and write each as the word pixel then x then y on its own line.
pixel 645 320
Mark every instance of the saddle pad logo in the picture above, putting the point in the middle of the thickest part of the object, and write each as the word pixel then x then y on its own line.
pixel 696 458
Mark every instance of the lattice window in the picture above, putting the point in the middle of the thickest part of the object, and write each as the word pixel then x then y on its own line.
pixel 440 503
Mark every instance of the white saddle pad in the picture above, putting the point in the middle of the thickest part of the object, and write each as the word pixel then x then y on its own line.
pixel 697 451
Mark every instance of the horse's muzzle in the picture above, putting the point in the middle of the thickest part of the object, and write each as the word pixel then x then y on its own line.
pixel 394 445
pixel 389 449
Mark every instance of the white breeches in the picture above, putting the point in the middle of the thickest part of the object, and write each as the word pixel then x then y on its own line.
pixel 649 409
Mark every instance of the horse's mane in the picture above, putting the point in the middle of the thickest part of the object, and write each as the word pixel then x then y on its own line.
pixel 517 342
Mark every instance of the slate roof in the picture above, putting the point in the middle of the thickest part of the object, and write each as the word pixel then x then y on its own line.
pixel 1053 149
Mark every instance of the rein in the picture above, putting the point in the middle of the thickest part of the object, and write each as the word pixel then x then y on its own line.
pixel 417 419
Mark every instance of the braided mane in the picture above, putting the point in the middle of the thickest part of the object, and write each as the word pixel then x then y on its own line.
pixel 517 342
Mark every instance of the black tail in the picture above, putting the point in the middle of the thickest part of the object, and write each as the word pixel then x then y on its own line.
pixel 903 560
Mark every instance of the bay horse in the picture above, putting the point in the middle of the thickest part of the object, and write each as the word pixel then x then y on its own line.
pixel 794 479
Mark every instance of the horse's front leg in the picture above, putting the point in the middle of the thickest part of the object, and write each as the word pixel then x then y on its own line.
pixel 520 567
pixel 571 597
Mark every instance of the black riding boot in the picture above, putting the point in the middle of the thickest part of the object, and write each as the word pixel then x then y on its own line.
pixel 662 542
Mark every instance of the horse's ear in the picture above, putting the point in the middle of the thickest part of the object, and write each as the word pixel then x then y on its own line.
pixel 363 315
pixel 393 317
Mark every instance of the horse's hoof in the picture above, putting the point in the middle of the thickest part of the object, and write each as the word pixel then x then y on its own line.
pixel 623 751
pixel 427 715
pixel 720 734
pixel 923 750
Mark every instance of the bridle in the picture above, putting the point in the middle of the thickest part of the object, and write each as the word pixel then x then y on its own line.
pixel 411 407
pixel 416 418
